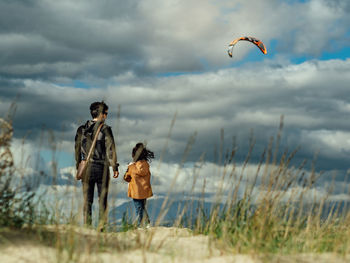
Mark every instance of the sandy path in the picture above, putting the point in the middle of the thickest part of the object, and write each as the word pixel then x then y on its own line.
pixel 152 245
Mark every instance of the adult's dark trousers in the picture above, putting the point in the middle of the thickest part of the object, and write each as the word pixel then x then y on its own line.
pixel 97 174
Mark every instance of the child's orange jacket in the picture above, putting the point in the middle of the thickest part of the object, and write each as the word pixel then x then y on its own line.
pixel 140 184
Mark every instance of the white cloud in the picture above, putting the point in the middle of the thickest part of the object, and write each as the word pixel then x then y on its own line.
pixel 118 48
pixel 312 96
pixel 88 40
pixel 330 142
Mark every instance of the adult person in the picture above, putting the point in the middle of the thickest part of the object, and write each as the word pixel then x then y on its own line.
pixel 103 156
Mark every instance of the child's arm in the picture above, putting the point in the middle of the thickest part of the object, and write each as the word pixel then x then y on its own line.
pixel 127 175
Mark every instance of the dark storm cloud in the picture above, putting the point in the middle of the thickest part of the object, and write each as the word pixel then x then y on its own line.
pixel 46 39
pixel 340 5
pixel 124 51
pixel 313 98
pixel 10 88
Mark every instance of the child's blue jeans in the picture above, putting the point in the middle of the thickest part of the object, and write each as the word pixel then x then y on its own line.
pixel 140 206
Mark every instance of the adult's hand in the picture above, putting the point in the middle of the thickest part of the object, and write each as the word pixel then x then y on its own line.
pixel 115 174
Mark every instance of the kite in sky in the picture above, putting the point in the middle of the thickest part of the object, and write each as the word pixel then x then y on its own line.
pixel 253 40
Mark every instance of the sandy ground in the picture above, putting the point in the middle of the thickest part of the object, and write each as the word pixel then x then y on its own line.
pixel 159 244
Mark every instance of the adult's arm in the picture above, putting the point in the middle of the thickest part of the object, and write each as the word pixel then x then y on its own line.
pixel 78 147
pixel 111 152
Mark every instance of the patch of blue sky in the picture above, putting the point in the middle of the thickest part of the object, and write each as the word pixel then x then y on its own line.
pixel 63 159
pixel 173 74
pixel 296 1
pixel 76 84
pixel 342 54
pixel 81 84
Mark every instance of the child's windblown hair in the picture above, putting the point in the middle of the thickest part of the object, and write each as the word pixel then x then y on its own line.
pixel 140 152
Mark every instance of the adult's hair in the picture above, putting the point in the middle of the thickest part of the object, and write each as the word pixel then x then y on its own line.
pixel 139 152
pixel 97 108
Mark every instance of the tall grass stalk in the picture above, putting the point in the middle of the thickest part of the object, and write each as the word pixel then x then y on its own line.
pixel 266 211
pixel 277 214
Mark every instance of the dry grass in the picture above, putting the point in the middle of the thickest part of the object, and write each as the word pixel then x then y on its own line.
pixel 274 216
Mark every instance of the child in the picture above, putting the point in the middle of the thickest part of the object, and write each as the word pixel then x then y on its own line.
pixel 138 176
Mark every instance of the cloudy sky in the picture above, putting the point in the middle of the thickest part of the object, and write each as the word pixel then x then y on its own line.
pixel 152 60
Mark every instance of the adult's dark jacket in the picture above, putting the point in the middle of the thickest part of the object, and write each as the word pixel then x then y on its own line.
pixel 104 152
